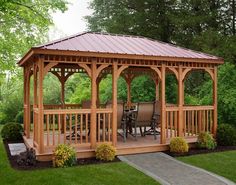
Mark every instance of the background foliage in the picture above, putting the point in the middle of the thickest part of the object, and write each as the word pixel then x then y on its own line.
pixel 207 26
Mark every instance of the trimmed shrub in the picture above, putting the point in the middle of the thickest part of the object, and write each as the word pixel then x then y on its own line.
pixel 105 152
pixel 20 117
pixel 64 156
pixel 205 140
pixel 226 135
pixel 12 132
pixel 178 145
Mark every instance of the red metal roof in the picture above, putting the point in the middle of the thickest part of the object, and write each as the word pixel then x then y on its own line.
pixel 122 44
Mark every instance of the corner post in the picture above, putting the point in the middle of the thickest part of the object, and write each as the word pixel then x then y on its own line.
pixel 40 106
pixel 35 103
pixel 114 102
pixel 180 101
pixel 163 103
pixel 215 101
pixel 27 101
pixel 93 126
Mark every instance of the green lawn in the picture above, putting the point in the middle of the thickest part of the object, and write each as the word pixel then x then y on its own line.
pixel 112 174
pixel 221 163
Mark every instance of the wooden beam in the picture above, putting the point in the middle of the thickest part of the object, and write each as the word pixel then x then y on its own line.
pixel 215 101
pixel 93 123
pixel 36 51
pixel 180 101
pixel 115 76
pixel 87 69
pixel 157 70
pixel 48 67
pixel 163 104
pixel 40 106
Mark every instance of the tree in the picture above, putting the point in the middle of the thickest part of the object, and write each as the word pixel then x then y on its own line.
pixel 23 24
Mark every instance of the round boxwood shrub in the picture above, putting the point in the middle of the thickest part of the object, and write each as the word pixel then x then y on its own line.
pixel 105 152
pixel 20 117
pixel 205 140
pixel 226 135
pixel 178 145
pixel 64 156
pixel 12 132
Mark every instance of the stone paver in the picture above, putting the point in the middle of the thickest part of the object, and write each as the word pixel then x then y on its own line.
pixel 168 170
pixel 17 148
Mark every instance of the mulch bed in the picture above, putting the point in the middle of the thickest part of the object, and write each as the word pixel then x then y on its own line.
pixel 48 164
pixel 195 151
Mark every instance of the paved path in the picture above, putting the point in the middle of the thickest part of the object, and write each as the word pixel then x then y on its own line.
pixel 169 171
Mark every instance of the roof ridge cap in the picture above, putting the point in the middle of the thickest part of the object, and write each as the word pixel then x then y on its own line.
pixel 61 39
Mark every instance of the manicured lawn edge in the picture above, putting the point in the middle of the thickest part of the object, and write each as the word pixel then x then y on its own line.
pixel 220 163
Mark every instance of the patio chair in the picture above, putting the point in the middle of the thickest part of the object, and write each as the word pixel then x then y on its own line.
pixel 156 120
pixel 121 121
pixel 147 116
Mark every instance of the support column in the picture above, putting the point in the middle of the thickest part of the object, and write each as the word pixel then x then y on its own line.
pixel 35 106
pixel 180 98
pixel 215 101
pixel 93 127
pixel 40 106
pixel 163 103
pixel 27 101
pixel 114 103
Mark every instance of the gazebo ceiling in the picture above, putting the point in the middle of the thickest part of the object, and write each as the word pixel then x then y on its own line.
pixel 118 45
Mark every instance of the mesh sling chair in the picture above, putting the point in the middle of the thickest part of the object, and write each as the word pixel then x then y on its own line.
pixel 156 120
pixel 147 116
pixel 121 120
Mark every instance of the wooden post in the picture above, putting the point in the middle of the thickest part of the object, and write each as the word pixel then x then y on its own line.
pixel 40 106
pixel 93 123
pixel 35 120
pixel 163 103
pixel 114 103
pixel 215 101
pixel 180 101
pixel 27 101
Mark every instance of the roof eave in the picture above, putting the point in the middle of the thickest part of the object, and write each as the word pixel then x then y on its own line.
pixel 34 51
pixel 26 57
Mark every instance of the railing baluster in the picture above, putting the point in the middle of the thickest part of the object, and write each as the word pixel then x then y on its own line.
pixel 59 128
pixel 171 124
pixel 47 123
pixel 76 126
pixel 98 134
pixel 53 129
pixel 70 128
pixel 176 119
pixel 86 128
pixel 104 127
pixel 65 130
pixel 81 128
pixel 109 127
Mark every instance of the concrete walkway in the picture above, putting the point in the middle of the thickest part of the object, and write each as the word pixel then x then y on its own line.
pixel 169 171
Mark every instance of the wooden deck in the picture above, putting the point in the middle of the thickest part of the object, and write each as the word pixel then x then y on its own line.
pixel 131 146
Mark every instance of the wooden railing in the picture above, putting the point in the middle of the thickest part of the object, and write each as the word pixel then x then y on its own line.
pixel 59 106
pixel 104 125
pixel 72 126
pixel 197 119
pixel 171 121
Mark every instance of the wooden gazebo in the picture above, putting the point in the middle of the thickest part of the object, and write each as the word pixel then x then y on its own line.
pixel 99 54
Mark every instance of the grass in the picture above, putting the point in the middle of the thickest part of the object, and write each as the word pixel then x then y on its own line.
pixel 103 174
pixel 221 163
